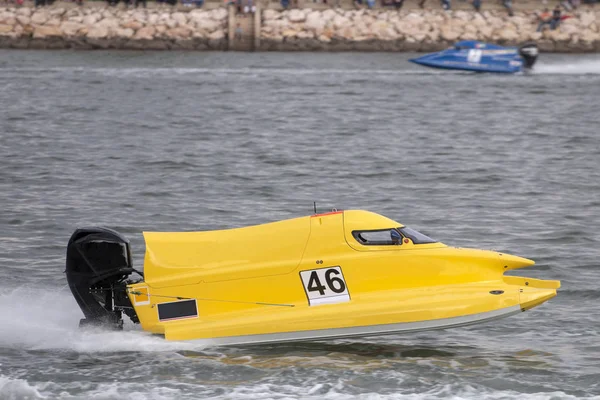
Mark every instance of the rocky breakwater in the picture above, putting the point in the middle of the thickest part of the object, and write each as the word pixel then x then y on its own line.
pixel 88 28
pixel 421 30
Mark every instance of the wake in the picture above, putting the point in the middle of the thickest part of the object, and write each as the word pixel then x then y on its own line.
pixel 582 67
pixel 48 319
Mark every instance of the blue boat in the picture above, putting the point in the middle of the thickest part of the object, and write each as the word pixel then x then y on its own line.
pixel 471 55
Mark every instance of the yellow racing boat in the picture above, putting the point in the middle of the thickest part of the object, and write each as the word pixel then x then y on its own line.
pixel 338 274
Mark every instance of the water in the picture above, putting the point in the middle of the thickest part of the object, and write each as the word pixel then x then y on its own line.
pixel 190 141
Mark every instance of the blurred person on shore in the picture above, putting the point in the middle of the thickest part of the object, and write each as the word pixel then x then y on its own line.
pixel 508 5
pixel 556 17
pixel 137 2
pixel 371 4
pixel 545 18
pixel 285 4
pixel 398 4
pixel 477 5
pixel 446 5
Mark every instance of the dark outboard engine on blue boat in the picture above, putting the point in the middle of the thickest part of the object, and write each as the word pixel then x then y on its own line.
pixel 529 52
pixel 98 264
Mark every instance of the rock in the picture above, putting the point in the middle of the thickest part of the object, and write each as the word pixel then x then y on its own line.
pixel 586 19
pixel 269 15
pixel 39 18
pixel 508 35
pixel 296 16
pixel 324 39
pixel 289 33
pixel 108 23
pixel 217 35
pixel 25 11
pixel 23 19
pixel 70 28
pixel 90 19
pixel 42 32
pixel 56 12
pixel 589 36
pixel 340 22
pixel 328 15
pixel 305 35
pixel 535 36
pixel 448 33
pixel 314 19
pixel 180 18
pixel 53 22
pixel 145 33
pixel 124 33
pixel 97 32
pixel 5 28
pixel 178 33
pixel 152 19
pixel 208 25
pixel 218 14
pixel 135 25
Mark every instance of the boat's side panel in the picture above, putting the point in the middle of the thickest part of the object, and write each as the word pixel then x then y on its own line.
pixel 372 330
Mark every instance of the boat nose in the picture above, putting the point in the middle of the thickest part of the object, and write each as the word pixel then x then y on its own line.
pixel 513 262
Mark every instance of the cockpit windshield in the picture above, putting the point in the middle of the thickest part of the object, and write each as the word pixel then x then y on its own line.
pixel 392 236
pixel 415 236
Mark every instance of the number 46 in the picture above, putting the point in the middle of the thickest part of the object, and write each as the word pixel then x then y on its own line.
pixel 334 283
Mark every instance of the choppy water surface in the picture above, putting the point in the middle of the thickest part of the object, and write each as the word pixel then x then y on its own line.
pixel 190 141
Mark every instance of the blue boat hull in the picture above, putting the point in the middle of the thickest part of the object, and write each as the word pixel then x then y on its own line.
pixel 481 57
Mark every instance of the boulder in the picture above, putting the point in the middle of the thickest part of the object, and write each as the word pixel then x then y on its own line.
pixel 124 32
pixel 340 22
pixel 145 33
pixel 39 18
pixel 180 18
pixel 508 34
pixel 269 15
pixel 178 33
pixel 70 28
pixel 448 33
pixel 6 29
pixel 324 39
pixel 97 32
pixel 208 25
pixel 217 35
pixel 296 16
pixel 23 19
pixel 218 14
pixel 42 32
pixel 25 11
pixel 108 23
pixel 135 25
pixel 587 18
pixel 90 19
pixel 152 19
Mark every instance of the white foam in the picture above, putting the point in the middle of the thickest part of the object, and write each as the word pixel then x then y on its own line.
pixel 17 389
pixel 44 319
pixel 582 67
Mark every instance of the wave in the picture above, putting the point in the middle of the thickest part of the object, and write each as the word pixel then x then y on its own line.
pixel 582 67
pixel 20 389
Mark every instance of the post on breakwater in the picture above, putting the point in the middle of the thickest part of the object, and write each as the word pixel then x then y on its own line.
pixel 243 29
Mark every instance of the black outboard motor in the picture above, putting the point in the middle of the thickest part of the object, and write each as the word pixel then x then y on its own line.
pixel 98 263
pixel 529 52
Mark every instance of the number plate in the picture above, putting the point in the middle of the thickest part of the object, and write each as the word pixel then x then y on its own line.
pixel 325 286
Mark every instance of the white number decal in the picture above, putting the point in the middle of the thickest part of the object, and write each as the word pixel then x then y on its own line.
pixel 325 286
pixel 474 55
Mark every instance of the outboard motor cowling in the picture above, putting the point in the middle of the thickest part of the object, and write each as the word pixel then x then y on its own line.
pixel 529 52
pixel 98 264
